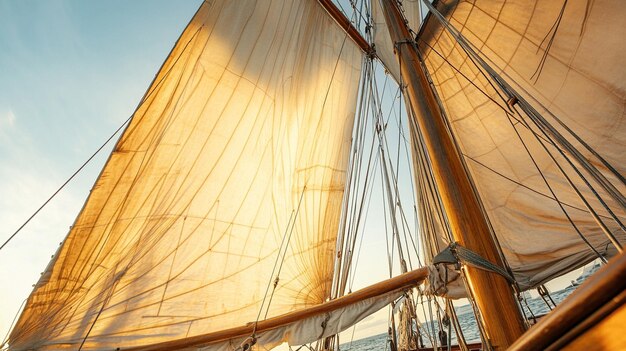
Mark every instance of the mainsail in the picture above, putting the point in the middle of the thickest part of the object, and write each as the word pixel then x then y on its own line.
pixel 549 52
pixel 229 177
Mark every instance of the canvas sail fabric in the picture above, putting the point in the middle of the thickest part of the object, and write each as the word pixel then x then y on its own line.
pixel 313 328
pixel 581 80
pixel 383 45
pixel 237 154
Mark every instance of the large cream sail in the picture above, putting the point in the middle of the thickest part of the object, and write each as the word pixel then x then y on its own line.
pixel 230 174
pixel 566 59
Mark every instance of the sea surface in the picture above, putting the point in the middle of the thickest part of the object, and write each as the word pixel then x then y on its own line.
pixel 466 319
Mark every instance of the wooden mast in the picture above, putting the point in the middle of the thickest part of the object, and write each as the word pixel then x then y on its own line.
pixel 493 294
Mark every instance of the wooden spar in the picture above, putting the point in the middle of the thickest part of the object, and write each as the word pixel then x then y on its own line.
pixel 344 23
pixel 400 282
pixel 606 332
pixel 589 307
pixel 494 296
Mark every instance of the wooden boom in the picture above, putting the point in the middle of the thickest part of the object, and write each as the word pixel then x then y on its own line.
pixel 404 281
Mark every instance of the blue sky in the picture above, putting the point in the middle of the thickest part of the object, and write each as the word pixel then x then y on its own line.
pixel 70 73
pixel 63 64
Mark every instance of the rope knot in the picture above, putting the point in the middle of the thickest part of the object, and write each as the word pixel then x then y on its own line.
pixel 324 325
pixel 247 343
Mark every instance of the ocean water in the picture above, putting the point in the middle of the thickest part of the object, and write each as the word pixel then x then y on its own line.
pixel 373 343
pixel 466 319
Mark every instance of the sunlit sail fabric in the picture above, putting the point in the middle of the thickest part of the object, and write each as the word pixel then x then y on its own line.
pixel 237 154
pixel 383 45
pixel 580 79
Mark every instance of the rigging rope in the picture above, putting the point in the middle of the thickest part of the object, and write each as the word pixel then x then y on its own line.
pixel 350 188
pixel 147 94
pixel 460 336
pixel 456 253
pixel 280 249
pixel 541 122
pixel 553 30
pixel 545 296
pixel 608 233
pixel 6 337
pixel 474 57
pixel 360 207
pixel 116 278
pixel 391 177
pixel 521 298
pixel 422 161
pixel 545 180
pixel 541 139
pixel 457 146
pixel 66 182
pixel 277 279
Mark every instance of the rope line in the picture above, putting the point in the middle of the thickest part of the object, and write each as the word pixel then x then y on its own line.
pixel 544 138
pixel 537 118
pixel 474 57
pixel 146 96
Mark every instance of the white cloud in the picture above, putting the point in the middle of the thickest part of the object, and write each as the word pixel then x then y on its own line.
pixel 7 120
pixel 11 138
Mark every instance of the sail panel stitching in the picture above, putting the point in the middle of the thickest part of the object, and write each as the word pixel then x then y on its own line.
pixel 545 138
